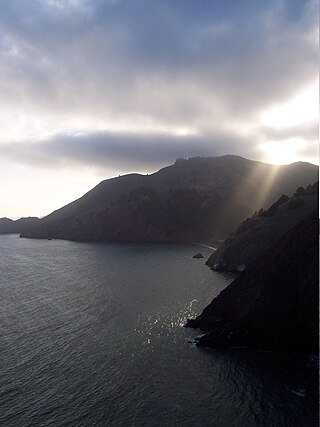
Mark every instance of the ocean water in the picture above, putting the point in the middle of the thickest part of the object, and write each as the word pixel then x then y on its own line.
pixel 91 335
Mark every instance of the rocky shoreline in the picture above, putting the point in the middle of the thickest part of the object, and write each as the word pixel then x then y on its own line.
pixel 273 304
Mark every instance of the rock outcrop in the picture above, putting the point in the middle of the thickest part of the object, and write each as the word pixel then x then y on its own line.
pixel 273 304
pixel 198 255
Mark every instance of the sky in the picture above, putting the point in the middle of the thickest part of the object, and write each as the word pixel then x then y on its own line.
pixel 91 89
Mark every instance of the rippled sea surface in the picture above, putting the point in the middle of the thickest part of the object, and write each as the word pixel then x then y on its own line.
pixel 91 335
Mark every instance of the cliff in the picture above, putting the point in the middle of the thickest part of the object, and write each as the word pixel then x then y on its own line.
pixel 273 304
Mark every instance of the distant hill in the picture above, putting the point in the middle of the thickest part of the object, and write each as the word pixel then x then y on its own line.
pixel 8 226
pixel 273 304
pixel 257 233
pixel 195 200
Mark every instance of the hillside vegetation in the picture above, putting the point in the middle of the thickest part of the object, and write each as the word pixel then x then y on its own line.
pixel 257 233
pixel 195 200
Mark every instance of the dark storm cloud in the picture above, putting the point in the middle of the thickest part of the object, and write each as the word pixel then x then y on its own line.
pixel 173 63
pixel 126 152
pixel 118 55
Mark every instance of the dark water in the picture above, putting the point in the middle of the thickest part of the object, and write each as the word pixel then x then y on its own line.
pixel 90 335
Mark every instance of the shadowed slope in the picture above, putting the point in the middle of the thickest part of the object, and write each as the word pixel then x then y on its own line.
pixel 257 233
pixel 273 304
pixel 200 199
pixel 8 226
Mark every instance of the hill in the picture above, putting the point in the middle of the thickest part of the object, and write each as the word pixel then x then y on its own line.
pixel 8 226
pixel 257 233
pixel 195 200
pixel 273 304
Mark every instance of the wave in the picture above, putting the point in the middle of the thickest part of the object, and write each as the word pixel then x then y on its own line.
pixel 205 246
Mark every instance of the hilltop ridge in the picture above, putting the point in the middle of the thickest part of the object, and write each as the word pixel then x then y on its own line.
pixel 199 199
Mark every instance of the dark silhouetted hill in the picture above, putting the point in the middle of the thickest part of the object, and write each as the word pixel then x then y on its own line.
pixel 195 200
pixel 273 304
pixel 257 233
pixel 8 226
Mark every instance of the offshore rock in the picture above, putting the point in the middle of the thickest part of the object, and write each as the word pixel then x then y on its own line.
pixel 198 255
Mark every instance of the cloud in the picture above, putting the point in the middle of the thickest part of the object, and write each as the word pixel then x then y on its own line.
pixel 133 76
pixel 94 88
pixel 127 152
pixel 306 131
pixel 146 152
pixel 166 62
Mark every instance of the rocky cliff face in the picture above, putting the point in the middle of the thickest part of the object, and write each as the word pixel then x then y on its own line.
pixel 195 200
pixel 257 233
pixel 273 304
